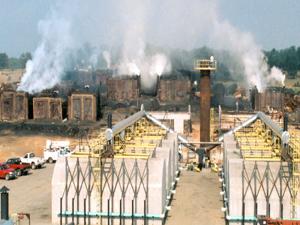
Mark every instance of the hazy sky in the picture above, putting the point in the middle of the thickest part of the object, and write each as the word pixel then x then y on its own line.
pixel 273 23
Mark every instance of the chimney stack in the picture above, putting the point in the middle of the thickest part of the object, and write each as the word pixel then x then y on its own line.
pixel 205 67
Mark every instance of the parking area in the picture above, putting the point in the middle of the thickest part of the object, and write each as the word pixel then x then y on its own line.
pixel 32 194
pixel 197 200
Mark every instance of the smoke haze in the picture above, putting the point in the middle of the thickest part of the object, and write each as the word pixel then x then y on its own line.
pixel 50 58
pixel 128 27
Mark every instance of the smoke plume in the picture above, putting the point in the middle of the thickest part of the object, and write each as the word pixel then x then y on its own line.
pixel 50 58
pixel 129 27
pixel 106 56
pixel 276 77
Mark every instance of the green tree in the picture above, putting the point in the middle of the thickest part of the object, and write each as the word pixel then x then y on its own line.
pixel 24 57
pixel 14 63
pixel 3 61
pixel 287 59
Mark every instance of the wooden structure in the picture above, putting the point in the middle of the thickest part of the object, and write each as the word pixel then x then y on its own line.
pixel 46 108
pixel 82 107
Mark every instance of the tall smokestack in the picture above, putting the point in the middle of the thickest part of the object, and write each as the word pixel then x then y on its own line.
pixel 205 67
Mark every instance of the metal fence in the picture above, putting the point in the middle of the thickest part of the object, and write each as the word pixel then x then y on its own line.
pixel 106 191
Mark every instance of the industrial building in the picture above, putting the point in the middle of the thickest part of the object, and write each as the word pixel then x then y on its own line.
pixel 127 176
pixel 260 175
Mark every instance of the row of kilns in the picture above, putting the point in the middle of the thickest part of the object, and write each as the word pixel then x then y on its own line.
pixel 14 107
pixel 171 90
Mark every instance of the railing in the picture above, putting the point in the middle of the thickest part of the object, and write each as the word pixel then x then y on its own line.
pixel 205 64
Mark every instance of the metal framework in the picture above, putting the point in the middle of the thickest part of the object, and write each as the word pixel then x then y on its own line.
pixel 260 139
pixel 83 182
pixel 267 183
pixel 258 142
pixel 205 64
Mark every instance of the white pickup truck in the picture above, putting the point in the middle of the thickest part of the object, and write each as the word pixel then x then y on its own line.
pixel 55 150
pixel 35 162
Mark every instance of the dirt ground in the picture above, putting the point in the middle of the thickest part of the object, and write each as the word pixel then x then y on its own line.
pixel 197 200
pixel 17 144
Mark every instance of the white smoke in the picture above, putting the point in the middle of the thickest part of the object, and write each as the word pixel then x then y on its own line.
pixel 128 68
pixel 49 59
pixel 107 58
pixel 135 60
pixel 160 64
pixel 93 60
pixel 156 25
pixel 276 77
pixel 148 67
pixel 252 59
pixel 130 25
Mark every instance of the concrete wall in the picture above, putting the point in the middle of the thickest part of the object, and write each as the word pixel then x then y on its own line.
pixel 260 180
pixel 134 189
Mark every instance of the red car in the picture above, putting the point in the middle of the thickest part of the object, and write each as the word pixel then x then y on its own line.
pixel 18 166
pixel 6 172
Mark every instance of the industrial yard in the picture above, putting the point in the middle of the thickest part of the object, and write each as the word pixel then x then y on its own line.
pixel 149 112
pixel 125 164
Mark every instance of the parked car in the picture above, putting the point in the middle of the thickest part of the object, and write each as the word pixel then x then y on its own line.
pixel 52 155
pixel 35 162
pixel 7 173
pixel 19 167
pixel 55 150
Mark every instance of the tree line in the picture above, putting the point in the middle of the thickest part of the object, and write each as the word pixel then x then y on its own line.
pixel 287 59
pixel 14 62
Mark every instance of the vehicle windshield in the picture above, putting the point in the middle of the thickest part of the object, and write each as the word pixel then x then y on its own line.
pixel 65 151
pixel 3 167
pixel 13 161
